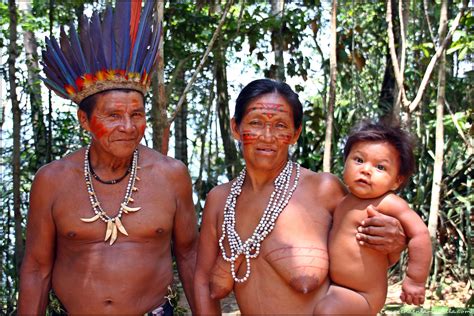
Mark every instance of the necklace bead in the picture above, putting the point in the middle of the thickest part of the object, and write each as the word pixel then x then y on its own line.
pixel 113 222
pixel 279 199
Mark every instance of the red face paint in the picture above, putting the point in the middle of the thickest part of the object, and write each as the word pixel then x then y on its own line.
pixel 269 109
pixel 248 137
pixel 284 138
pixel 141 129
pixel 97 127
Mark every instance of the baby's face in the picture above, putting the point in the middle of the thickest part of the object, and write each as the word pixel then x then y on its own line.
pixel 371 169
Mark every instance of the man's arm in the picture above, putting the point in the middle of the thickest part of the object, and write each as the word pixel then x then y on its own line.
pixel 207 255
pixel 381 232
pixel 185 234
pixel 35 273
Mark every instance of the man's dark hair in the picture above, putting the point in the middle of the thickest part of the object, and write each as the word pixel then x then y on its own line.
pixel 88 104
pixel 394 135
pixel 260 87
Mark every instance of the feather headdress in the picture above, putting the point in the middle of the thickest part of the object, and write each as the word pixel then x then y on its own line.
pixel 117 51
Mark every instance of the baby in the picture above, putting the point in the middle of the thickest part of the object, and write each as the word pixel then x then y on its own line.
pixel 378 161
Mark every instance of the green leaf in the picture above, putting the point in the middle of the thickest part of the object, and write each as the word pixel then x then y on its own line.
pixel 463 52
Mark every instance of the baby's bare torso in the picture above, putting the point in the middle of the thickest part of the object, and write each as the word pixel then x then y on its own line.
pixel 351 265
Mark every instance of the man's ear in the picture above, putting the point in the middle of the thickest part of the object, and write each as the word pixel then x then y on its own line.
pixel 83 120
pixel 235 129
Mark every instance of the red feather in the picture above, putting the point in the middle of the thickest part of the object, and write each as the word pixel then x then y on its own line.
pixel 136 8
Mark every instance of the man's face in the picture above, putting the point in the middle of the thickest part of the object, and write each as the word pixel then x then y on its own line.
pixel 117 123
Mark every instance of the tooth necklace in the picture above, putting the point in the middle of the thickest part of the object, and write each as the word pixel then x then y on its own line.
pixel 251 247
pixel 114 224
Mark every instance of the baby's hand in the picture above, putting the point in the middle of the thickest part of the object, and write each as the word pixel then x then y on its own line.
pixel 412 292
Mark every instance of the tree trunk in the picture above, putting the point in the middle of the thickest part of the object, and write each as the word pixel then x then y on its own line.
pixel 12 55
pixel 439 144
pixel 34 91
pixel 4 229
pixel 180 126
pixel 389 89
pixel 199 187
pixel 231 160
pixel 49 116
pixel 159 115
pixel 332 90
pixel 278 71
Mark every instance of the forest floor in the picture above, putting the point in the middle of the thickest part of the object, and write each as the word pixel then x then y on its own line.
pixel 450 299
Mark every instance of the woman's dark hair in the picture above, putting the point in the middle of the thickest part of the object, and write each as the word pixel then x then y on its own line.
pixel 260 87
pixel 394 135
pixel 88 104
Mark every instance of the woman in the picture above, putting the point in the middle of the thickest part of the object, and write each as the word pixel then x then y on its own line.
pixel 264 235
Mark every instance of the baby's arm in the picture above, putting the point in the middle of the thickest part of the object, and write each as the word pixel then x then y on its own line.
pixel 419 249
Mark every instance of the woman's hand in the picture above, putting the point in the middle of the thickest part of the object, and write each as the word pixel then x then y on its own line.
pixel 381 232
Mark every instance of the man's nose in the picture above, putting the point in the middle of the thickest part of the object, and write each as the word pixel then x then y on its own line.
pixel 127 124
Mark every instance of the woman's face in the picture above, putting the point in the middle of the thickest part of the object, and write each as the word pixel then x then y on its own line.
pixel 266 131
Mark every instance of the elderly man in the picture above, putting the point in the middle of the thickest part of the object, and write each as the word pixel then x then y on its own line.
pixel 104 220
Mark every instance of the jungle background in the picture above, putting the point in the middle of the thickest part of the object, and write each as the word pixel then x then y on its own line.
pixel 407 62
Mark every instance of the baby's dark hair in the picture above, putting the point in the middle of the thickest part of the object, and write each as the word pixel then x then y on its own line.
pixel 394 135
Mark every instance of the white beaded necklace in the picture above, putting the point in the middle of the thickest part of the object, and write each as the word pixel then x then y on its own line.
pixel 114 224
pixel 251 247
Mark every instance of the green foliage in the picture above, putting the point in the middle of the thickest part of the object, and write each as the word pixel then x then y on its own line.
pixel 463 39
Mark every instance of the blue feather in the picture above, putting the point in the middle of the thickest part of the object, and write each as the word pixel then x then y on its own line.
pixel 122 33
pixel 69 53
pixel 151 57
pixel 147 10
pixel 59 60
pixel 108 37
pixel 96 40
pixel 77 49
pixel 143 50
pixel 148 56
pixel 48 61
pixel 56 88
pixel 85 43
pixel 52 75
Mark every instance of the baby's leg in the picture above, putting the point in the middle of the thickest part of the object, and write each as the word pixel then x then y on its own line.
pixel 343 301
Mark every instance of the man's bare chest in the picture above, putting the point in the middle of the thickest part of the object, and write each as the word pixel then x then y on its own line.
pixel 153 220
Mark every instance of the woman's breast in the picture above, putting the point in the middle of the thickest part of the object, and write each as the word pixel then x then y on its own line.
pixel 297 248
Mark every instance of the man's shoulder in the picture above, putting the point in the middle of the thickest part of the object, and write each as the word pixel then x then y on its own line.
pixel 157 163
pixel 54 177
pixel 60 168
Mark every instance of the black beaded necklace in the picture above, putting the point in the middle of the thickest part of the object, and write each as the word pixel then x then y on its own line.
pixel 114 181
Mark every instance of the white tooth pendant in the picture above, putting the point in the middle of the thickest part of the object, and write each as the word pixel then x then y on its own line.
pixel 120 227
pixel 114 234
pixel 114 224
pixel 108 231
pixel 129 209
pixel 91 219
